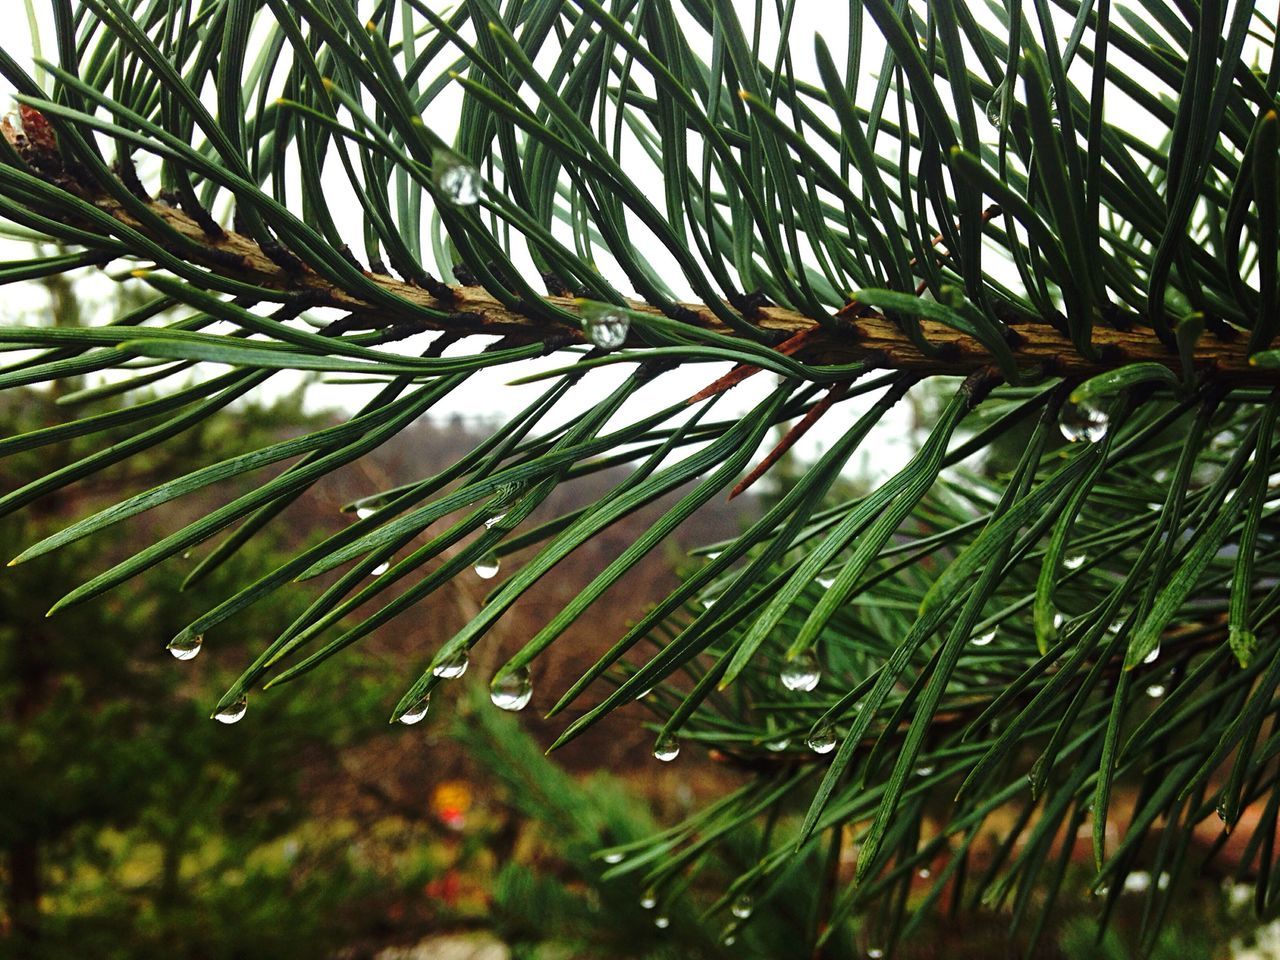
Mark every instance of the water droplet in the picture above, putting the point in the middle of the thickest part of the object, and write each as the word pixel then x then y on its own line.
pixel 875 953
pixel 506 494
pixel 1153 656
pixel 508 490
pixel 822 740
pixel 458 181
pixel 666 749
pixel 614 857
pixel 924 873
pixel 487 566
pixel 729 940
pixel 982 639
pixel 1137 882
pixel 995 104
pixel 649 900
pixel 661 922
pixel 826 583
pixel 513 691
pixel 380 569
pixel 1082 421
pixel 802 672
pixel 924 770
pixel 644 693
pixel 186 648
pixel 452 668
pixel 417 711
pixel 742 907
pixel 364 513
pixel 606 326
pixel 233 713
pixel 1058 621
pixel 1155 691
pixel 777 746
pixel 1073 562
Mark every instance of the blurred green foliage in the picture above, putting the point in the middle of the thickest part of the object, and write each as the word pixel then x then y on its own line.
pixel 131 825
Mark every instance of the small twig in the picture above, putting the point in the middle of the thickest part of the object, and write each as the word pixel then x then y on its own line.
pixel 987 214
pixel 854 308
pixel 836 392
pixel 743 370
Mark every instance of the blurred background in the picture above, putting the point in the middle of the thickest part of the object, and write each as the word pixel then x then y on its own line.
pixel 132 826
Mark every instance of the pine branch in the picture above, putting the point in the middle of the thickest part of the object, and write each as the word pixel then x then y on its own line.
pixel 861 334
pixel 1120 281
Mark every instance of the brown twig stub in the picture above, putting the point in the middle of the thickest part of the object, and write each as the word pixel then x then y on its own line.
pixel 793 435
pixel 742 371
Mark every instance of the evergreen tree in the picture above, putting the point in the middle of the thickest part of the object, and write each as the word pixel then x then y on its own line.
pixel 1062 215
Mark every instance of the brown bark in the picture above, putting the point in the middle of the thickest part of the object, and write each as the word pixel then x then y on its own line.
pixel 474 311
